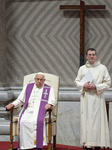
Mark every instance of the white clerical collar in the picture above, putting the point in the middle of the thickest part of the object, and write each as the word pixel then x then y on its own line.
pixel 92 65
pixel 37 87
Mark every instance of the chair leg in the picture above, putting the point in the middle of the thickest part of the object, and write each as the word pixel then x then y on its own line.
pixel 49 131
pixel 11 130
pixel 54 142
pixel 83 148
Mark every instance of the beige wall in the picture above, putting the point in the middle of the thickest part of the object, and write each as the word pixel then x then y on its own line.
pixel 41 37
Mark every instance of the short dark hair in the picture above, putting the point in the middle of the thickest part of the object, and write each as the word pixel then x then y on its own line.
pixel 91 49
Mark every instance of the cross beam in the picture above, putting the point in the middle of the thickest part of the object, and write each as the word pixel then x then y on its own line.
pixel 82 7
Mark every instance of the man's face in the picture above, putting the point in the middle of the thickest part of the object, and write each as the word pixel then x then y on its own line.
pixel 39 80
pixel 91 57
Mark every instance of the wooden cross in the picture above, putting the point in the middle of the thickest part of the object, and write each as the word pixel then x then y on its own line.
pixel 82 7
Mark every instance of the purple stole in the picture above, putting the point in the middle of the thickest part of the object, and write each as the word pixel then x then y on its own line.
pixel 41 114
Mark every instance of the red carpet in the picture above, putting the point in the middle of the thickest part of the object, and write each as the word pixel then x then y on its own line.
pixel 6 146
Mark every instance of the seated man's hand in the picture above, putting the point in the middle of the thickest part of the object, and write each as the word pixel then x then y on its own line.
pixel 47 106
pixel 9 106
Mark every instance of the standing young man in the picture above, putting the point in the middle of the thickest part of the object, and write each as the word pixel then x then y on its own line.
pixel 94 125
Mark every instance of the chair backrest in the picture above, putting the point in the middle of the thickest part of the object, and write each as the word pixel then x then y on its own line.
pixel 51 80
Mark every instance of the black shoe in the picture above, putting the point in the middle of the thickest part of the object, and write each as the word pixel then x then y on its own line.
pixel 97 148
pixel 85 148
pixel 37 148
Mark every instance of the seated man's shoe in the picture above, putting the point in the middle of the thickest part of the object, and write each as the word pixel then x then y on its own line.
pixel 37 148
pixel 97 148
pixel 86 148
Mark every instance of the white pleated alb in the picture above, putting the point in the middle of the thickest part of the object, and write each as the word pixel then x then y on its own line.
pixel 94 125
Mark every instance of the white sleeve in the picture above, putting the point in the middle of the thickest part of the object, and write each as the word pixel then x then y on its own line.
pixel 106 82
pixel 21 98
pixel 78 83
pixel 52 99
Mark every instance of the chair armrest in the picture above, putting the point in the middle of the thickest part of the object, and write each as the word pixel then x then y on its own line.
pixel 49 112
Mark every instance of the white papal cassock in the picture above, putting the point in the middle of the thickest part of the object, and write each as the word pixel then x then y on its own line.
pixel 28 121
pixel 94 125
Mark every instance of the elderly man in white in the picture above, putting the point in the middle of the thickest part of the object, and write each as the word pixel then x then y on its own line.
pixel 36 98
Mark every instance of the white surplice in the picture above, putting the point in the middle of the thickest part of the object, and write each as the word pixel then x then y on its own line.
pixel 94 125
pixel 28 121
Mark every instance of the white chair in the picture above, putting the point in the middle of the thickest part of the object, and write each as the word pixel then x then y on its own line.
pixel 51 121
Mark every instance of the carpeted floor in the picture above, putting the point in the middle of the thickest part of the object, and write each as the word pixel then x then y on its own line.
pixel 6 146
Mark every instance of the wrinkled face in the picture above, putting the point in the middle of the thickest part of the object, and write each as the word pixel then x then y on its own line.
pixel 91 57
pixel 39 80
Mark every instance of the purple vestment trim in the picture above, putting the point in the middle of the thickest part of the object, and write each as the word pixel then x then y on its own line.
pixel 28 92
pixel 41 115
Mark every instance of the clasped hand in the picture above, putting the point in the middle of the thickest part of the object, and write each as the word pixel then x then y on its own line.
pixel 89 86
